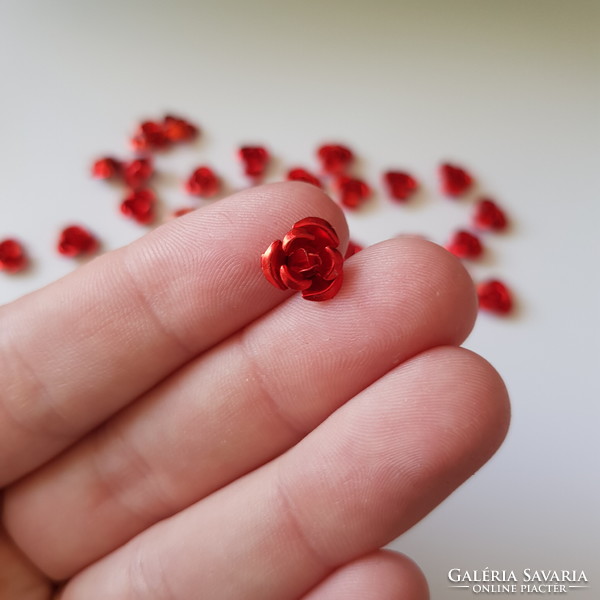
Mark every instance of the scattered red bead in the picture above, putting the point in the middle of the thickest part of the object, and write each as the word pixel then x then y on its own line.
pixel 495 297
pixel 137 173
pixel 177 129
pixel 299 174
pixel 75 241
pixel 203 182
pixel 150 136
pixel 306 260
pixel 400 185
pixel 139 206
pixel 255 160
pixel 489 216
pixel 455 180
pixel 465 245
pixel 180 212
pixel 335 159
pixel 12 256
pixel 106 168
pixel 352 249
pixel 352 192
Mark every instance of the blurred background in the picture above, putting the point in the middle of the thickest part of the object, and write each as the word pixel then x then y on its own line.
pixel 508 89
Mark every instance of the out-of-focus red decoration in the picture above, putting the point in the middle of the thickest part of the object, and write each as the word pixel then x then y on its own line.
pixel 106 168
pixel 12 256
pixel 137 173
pixel 335 159
pixel 455 180
pixel 465 245
pixel 177 129
pixel 75 241
pixel 150 136
pixel 203 182
pixel 254 159
pixel 139 206
pixel 489 216
pixel 180 212
pixel 352 249
pixel 307 260
pixel 495 297
pixel 400 185
pixel 299 174
pixel 352 192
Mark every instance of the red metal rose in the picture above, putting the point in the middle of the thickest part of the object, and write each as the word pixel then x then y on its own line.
pixel 489 216
pixel 465 245
pixel 12 256
pixel 76 240
pixel 307 260
pixel 400 185
pixel 495 297
pixel 177 129
pixel 455 180
pixel 300 174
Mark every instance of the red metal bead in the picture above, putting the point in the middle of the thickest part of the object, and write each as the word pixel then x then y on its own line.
pixel 12 256
pixel 180 212
pixel 335 158
pixel 400 185
pixel 137 173
pixel 177 129
pixel 455 180
pixel 352 192
pixel 352 249
pixel 203 182
pixel 150 136
pixel 75 241
pixel 465 245
pixel 106 168
pixel 495 297
pixel 255 160
pixel 299 174
pixel 139 206
pixel 307 260
pixel 489 216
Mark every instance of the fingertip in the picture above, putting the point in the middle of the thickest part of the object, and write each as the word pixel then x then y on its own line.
pixel 382 575
pixel 430 283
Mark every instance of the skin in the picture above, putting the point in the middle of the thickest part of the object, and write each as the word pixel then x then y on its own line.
pixel 174 427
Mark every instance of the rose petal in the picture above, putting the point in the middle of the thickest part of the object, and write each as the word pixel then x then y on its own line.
pixel 294 283
pixel 332 263
pixel 322 289
pixel 320 228
pixel 271 261
pixel 295 235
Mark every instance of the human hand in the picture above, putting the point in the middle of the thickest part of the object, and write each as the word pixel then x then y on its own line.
pixel 172 427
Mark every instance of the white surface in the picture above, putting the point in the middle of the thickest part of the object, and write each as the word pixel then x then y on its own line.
pixel 510 89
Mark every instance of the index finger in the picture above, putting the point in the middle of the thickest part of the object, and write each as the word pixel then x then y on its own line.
pixel 79 350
